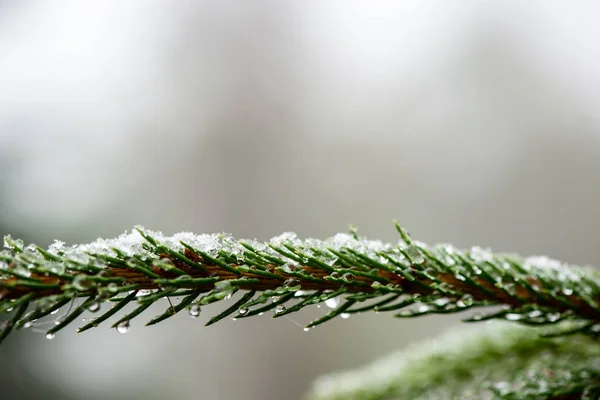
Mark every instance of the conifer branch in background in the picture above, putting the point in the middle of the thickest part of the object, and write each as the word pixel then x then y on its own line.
pixel 286 274
pixel 499 361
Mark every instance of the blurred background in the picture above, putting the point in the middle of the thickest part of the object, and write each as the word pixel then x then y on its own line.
pixel 475 123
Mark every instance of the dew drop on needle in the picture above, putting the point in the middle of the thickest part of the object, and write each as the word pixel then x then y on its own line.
pixel 123 327
pixel 195 311
pixel 280 309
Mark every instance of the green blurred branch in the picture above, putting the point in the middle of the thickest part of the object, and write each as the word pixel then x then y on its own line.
pixel 499 361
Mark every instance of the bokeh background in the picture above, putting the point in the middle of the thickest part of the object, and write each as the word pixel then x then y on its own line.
pixel 475 123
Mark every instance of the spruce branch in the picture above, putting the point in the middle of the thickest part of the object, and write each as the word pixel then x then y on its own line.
pixel 499 362
pixel 287 274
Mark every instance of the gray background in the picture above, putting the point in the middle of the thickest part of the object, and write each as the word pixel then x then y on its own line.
pixel 475 124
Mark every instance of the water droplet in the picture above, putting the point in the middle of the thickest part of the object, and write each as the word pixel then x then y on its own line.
pixel 82 283
pixel 243 310
pixel 280 309
pixel 595 328
pixel 292 284
pixel 414 254
pixel 477 317
pixel 553 317
pixel 376 285
pixel 94 307
pixel 460 277
pixel 376 310
pixel 50 336
pixel 54 312
pixel 513 317
pixel 345 315
pixel 288 268
pixel 333 302
pixel 441 302
pixel 567 291
pixel 534 314
pixel 223 290
pixel 465 301
pixel 123 327
pixel 306 329
pixel 27 325
pixel 83 319
pixel 143 292
pixel 195 311
pixel 112 287
pixel 423 308
pixel 331 262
